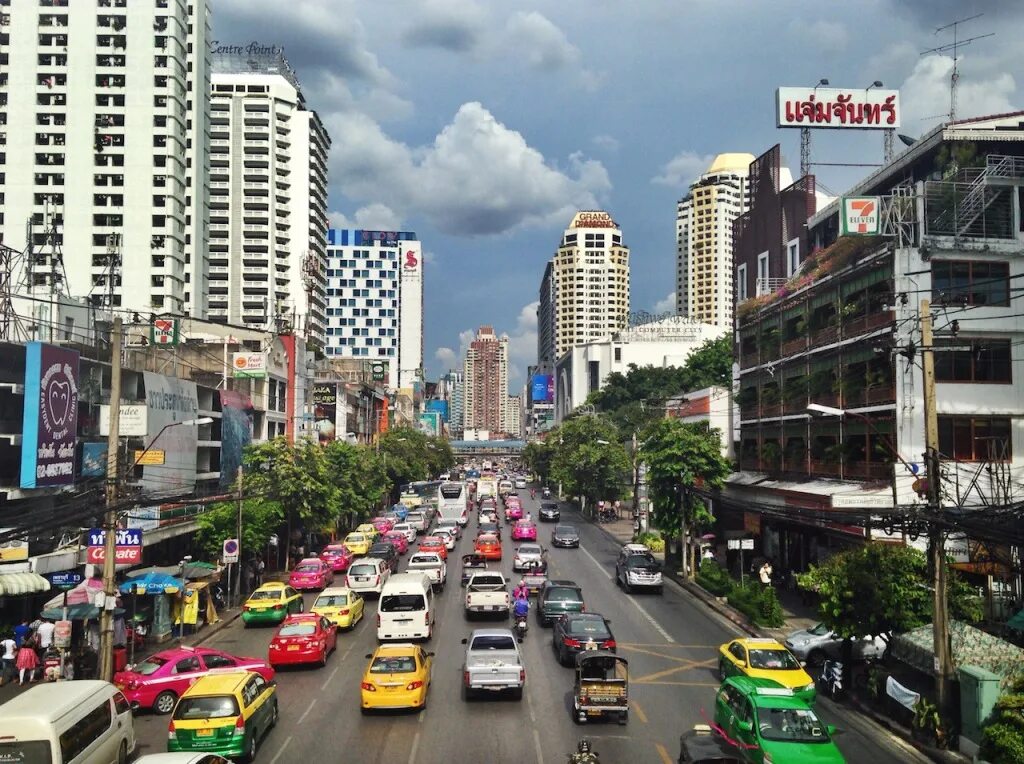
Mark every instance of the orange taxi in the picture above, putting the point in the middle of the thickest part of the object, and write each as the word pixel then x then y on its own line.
pixel 434 544
pixel 488 546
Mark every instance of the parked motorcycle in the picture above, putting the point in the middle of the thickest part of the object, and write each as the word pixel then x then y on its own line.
pixel 831 680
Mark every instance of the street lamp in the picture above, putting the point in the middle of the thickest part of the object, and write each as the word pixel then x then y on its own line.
pixel 183 423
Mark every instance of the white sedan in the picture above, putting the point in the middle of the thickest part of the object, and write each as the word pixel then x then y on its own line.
pixel 448 535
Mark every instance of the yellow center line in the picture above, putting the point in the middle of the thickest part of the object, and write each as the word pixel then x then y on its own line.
pixel 639 711
pixel 662 645
pixel 716 685
pixel 663 753
pixel 674 670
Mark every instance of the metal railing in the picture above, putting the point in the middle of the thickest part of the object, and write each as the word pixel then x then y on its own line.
pixel 768 286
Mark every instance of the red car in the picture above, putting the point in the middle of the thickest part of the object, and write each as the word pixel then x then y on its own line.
pixel 311 573
pixel 338 556
pixel 488 546
pixel 383 524
pixel 303 638
pixel 397 540
pixel 160 680
pixel 434 544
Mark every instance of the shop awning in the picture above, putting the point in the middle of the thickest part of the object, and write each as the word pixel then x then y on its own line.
pixel 22 583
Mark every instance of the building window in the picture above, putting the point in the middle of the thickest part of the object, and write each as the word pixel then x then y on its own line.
pixel 975 439
pixel 974 361
pixel 762 270
pixel 741 282
pixel 618 355
pixel 792 257
pixel 971 282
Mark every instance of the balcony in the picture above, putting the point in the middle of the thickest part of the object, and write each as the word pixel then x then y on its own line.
pixel 768 286
pixel 825 468
pixel 867 470
pixel 854 327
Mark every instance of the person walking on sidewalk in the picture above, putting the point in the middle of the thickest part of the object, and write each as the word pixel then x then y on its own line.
pixel 765 573
pixel 7 652
pixel 27 661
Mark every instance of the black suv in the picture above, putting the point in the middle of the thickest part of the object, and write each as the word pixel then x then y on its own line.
pixel 385 551
pixel 549 512
pixel 556 598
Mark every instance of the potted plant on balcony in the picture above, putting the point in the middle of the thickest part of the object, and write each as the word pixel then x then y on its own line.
pixel 771 455
pixel 795 393
pixel 746 398
pixel 795 455
pixel 770 399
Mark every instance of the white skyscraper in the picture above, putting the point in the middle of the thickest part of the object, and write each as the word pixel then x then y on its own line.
pixel 102 106
pixel 375 300
pixel 704 218
pixel 485 373
pixel 268 196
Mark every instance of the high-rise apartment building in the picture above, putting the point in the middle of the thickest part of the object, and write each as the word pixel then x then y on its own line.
pixel 485 374
pixel 268 196
pixel 704 218
pixel 102 107
pixel 451 389
pixel 590 275
pixel 546 320
pixel 375 300
pixel 513 417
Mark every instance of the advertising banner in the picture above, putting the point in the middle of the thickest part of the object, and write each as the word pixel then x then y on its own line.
pixel 94 460
pixel 50 419
pixel 441 407
pixel 430 423
pixel 249 365
pixel 171 400
pixel 236 412
pixel 542 388
pixel 842 108
pixel 325 412
pixel 131 420
pixel 128 550
pixel 13 550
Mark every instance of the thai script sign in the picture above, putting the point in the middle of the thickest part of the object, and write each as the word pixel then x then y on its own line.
pixel 854 108
pixel 128 546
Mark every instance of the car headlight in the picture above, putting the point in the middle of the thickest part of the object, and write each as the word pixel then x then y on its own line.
pixel 807 687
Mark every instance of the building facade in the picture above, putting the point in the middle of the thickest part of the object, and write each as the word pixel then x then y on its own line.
pixel 513 417
pixel 704 219
pixel 375 301
pixel 451 388
pixel 546 311
pixel 590 282
pixel 485 373
pixel 268 198
pixel 87 90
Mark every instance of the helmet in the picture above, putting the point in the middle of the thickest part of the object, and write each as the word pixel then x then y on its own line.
pixel 583 746
pixel 522 582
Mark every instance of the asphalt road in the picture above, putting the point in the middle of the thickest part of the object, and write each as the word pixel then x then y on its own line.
pixel 670 640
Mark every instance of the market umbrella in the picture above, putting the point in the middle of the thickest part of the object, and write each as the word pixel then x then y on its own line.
pixel 152 582
pixel 84 593
pixel 199 569
pixel 79 612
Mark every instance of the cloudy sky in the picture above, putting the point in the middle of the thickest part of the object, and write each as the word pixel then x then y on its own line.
pixel 482 126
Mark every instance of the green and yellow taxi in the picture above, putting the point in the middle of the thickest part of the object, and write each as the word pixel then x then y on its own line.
pixel 765 659
pixel 271 603
pixel 340 605
pixel 358 543
pixel 227 713
pixel 772 725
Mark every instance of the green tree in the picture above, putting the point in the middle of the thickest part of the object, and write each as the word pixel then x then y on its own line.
pixel 360 478
pixel 680 454
pixel 537 456
pixel 260 520
pixel 404 451
pixel 440 457
pixel 589 461
pixel 710 365
pixel 296 477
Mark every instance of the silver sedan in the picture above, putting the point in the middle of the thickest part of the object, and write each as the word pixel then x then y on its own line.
pixel 819 642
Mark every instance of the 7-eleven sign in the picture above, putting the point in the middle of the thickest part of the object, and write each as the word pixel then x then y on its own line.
pixel 860 216
pixel 164 331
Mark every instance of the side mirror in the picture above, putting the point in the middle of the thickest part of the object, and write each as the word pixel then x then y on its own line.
pixel 465 641
pixel 430 655
pixel 741 664
pixel 833 730
pixel 369 655
pixel 519 640
pixel 744 726
pixel 803 664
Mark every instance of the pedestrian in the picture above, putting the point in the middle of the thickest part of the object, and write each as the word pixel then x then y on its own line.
pixel 765 573
pixel 260 567
pixel 21 632
pixel 27 660
pixel 7 653
pixel 45 634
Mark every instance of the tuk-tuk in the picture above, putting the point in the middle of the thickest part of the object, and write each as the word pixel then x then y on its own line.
pixel 602 686
pixel 472 563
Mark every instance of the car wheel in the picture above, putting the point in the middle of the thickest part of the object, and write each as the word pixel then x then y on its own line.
pixel 122 752
pixel 467 694
pixel 563 659
pixel 164 702
pixel 250 750
pixel 815 658
pixel 323 658
pixel 273 717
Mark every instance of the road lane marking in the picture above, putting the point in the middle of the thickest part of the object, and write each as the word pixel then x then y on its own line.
pixel 683 666
pixel 536 746
pixel 663 753
pixel 639 711
pixel 647 616
pixel 282 749
pixel 529 705
pixel 415 747
pixel 328 680
pixel 306 712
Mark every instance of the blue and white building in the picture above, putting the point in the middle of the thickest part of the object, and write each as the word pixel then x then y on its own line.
pixel 375 300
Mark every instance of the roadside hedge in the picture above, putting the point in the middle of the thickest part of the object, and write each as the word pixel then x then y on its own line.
pixel 756 601
pixel 713 578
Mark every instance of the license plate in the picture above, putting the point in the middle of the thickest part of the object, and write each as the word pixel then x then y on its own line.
pixel 293 648
pixel 493 607
pixel 593 713
pixel 362 579
pixel 204 733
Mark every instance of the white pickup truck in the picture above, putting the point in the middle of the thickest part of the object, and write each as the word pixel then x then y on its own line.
pixel 493 663
pixel 432 565
pixel 487 592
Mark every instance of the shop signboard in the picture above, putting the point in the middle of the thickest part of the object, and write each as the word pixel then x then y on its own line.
pixel 132 420
pixel 13 549
pixel 860 215
pixel 171 400
pixel 128 546
pixel 838 108
pixel 50 419
pixel 325 411
pixel 249 365
pixel 65 579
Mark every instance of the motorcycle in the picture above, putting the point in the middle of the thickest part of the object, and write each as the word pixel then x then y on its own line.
pixel 584 754
pixel 520 627
pixel 831 680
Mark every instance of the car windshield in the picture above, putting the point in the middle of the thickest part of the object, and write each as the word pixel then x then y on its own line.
pixel 335 551
pixel 819 630
pixel 362 570
pixel 355 537
pixel 761 658
pixel 589 627
pixel 565 530
pixel 401 603
pixel 642 561
pixel 307 568
pixel 266 594
pixel 562 594
pixel 493 642
pixel 210 707
pixel 380 549
pixel 795 725
pixel 424 559
pixel 393 664
pixel 331 600
pixel 297 630
pixel 529 549
pixel 151 665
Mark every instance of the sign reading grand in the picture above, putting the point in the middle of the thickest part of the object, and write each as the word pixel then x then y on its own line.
pixel 50 419
pixel 854 108
pixel 593 219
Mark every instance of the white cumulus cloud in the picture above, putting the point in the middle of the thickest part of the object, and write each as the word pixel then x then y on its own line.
pixel 925 93
pixel 684 168
pixel 666 304
pixel 447 357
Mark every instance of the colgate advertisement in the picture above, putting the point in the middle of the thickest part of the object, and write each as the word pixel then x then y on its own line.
pixel 128 549
pixel 50 419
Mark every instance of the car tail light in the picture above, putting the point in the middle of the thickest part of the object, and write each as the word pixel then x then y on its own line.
pixel 344 611
pixel 414 685
pixel 378 620
pixel 583 608
pixel 426 617
pixel 278 607
pixel 376 580
pixel 368 687
pixel 171 734
pixel 570 642
pixel 608 644
pixel 522 675
pixel 465 678
pixel 245 608
pixel 240 725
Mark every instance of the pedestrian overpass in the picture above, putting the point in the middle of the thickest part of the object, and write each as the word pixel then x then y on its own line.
pixel 482 449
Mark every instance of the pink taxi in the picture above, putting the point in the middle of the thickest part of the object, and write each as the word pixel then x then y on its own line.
pixel 398 540
pixel 311 573
pixel 524 530
pixel 383 524
pixel 338 556
pixel 513 512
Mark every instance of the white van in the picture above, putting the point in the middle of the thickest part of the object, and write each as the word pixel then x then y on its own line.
pixel 406 608
pixel 85 721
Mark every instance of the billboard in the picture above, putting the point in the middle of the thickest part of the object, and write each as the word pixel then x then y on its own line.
pixel 430 423
pixel 441 407
pixel 860 215
pixel 542 388
pixel 325 412
pixel 171 400
pixel 235 433
pixel 842 108
pixel 94 460
pixel 50 417
pixel 249 365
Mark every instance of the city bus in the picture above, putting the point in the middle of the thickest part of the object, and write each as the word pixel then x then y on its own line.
pixel 451 502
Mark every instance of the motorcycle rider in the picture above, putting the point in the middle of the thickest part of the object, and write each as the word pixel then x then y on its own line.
pixel 584 754
pixel 521 591
pixel 533 493
pixel 519 613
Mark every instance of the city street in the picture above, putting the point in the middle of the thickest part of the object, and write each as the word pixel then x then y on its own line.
pixel 670 641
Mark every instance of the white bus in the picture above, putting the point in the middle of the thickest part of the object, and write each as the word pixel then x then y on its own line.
pixel 451 502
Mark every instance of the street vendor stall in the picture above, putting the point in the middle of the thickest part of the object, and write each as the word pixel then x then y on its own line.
pixel 194 607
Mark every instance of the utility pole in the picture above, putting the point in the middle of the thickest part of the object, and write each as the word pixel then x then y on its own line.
pixel 936 539
pixel 110 516
pixel 238 531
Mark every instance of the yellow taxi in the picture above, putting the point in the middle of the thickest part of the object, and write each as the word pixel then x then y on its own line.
pixel 340 605
pixel 369 530
pixel 398 676
pixel 358 543
pixel 765 659
pixel 271 603
pixel 226 713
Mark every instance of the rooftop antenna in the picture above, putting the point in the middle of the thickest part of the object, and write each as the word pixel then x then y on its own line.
pixel 954 46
